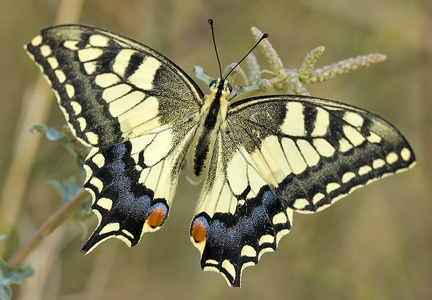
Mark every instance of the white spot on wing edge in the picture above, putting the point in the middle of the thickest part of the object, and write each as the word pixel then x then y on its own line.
pixel 99 160
pixel 378 163
pixel 53 62
pixel 266 239
pixel 212 262
pixel 247 264
pixel 264 250
pixel 348 176
pixel 70 90
pixel 82 123
pixel 318 197
pixel 332 186
pixel 214 269
pixel 279 218
pixel 300 203
pixel 77 108
pixel 92 138
pixel 322 207
pixel 391 158
pixel 97 183
pixel 36 41
pixel 248 251
pixel 405 154
pixel 60 75
pixel 45 50
pixel 105 203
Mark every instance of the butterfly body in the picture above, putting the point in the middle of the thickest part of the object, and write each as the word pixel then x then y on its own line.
pixel 262 158
pixel 212 119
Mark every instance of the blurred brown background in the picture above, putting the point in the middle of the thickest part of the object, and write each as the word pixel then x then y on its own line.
pixel 375 244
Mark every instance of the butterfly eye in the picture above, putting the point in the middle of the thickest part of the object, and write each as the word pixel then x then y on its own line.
pixel 213 82
pixel 229 86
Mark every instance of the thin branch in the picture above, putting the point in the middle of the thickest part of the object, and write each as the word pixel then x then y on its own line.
pixel 49 226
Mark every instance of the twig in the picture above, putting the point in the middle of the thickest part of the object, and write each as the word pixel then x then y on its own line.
pixel 49 226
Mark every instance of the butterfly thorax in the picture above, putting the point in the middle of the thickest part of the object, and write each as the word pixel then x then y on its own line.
pixel 212 118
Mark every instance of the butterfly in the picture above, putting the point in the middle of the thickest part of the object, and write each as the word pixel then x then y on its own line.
pixel 261 158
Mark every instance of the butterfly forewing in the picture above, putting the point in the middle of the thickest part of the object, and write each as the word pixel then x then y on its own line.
pixel 135 109
pixel 111 88
pixel 313 151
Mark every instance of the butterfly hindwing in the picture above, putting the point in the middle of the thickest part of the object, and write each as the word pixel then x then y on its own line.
pixel 238 217
pixel 133 184
pixel 135 109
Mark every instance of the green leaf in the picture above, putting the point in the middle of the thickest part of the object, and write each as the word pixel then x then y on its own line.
pixel 199 73
pixel 66 139
pixel 51 133
pixel 68 189
pixel 10 275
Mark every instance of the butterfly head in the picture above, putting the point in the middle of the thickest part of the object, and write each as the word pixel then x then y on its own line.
pixel 220 85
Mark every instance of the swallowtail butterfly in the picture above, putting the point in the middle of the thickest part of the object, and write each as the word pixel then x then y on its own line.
pixel 262 158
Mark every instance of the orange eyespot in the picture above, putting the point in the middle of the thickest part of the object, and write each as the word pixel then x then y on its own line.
pixel 156 217
pixel 198 231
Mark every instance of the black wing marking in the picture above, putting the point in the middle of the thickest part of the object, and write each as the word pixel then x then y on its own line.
pixel 134 188
pixel 279 154
pixel 312 152
pixel 238 217
pixel 111 88
pixel 135 109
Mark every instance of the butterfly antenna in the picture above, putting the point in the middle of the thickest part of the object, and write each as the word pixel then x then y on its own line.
pixel 214 44
pixel 264 36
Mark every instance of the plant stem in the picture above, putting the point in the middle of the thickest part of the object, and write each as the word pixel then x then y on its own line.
pixel 49 226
